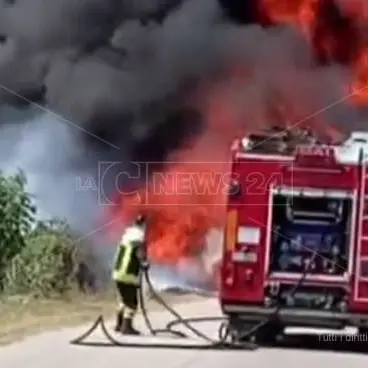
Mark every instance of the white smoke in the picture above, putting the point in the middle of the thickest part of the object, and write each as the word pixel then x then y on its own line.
pixel 192 274
pixel 213 251
pixel 45 150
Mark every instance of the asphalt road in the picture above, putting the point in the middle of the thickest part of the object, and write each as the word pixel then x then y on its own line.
pixel 53 350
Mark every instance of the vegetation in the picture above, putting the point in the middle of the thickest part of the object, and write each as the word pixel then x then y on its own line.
pixel 41 263
pixel 37 258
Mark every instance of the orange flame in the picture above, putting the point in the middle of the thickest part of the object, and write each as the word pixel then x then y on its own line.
pixel 334 33
pixel 182 204
pixel 359 87
pixel 192 198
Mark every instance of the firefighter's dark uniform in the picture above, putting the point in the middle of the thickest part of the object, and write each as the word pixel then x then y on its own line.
pixel 126 275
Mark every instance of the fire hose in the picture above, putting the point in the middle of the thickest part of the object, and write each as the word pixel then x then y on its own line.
pixel 227 340
pixel 211 344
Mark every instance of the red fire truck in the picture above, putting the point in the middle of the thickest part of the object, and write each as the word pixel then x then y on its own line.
pixel 296 237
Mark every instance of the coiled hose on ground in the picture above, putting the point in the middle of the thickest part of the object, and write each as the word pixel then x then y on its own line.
pixel 226 340
pixel 221 343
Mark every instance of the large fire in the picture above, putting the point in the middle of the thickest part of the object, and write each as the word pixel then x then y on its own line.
pixel 335 31
pixel 187 198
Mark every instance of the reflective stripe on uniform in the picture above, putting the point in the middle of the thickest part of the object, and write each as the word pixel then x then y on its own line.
pixel 127 265
pixel 127 279
pixel 122 267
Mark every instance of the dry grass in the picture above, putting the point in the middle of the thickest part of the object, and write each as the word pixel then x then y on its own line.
pixel 21 317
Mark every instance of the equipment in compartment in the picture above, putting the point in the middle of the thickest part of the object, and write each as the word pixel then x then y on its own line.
pixel 303 226
pixel 304 210
pixel 308 297
pixel 309 264
pixel 278 140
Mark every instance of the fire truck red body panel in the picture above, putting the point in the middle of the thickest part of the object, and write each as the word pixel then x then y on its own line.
pixel 314 172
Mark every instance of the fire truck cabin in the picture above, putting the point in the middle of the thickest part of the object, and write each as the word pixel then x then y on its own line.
pixel 296 237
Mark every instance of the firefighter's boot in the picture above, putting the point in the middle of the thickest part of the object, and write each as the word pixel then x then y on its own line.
pixel 119 321
pixel 128 328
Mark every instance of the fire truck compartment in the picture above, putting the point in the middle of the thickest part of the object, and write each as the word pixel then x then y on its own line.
pixel 310 234
pixel 311 254
pixel 310 240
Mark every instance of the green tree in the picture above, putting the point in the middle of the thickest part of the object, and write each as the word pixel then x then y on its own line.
pixel 17 217
pixel 37 258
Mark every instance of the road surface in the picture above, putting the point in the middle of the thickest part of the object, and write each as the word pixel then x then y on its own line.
pixel 53 350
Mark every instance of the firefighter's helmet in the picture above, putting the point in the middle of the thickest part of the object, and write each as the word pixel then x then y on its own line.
pixel 140 220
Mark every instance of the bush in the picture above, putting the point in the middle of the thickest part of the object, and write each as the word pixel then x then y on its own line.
pixel 36 258
pixel 16 217
pixel 44 266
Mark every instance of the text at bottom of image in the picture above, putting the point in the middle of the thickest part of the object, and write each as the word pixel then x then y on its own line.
pixel 344 338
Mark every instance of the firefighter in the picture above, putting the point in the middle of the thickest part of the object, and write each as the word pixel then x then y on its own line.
pixel 129 261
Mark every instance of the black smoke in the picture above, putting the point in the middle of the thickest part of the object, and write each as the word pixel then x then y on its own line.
pixel 87 85
pixel 80 60
pixel 117 74
pixel 245 12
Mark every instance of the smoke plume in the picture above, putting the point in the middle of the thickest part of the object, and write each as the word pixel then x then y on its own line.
pixel 90 81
